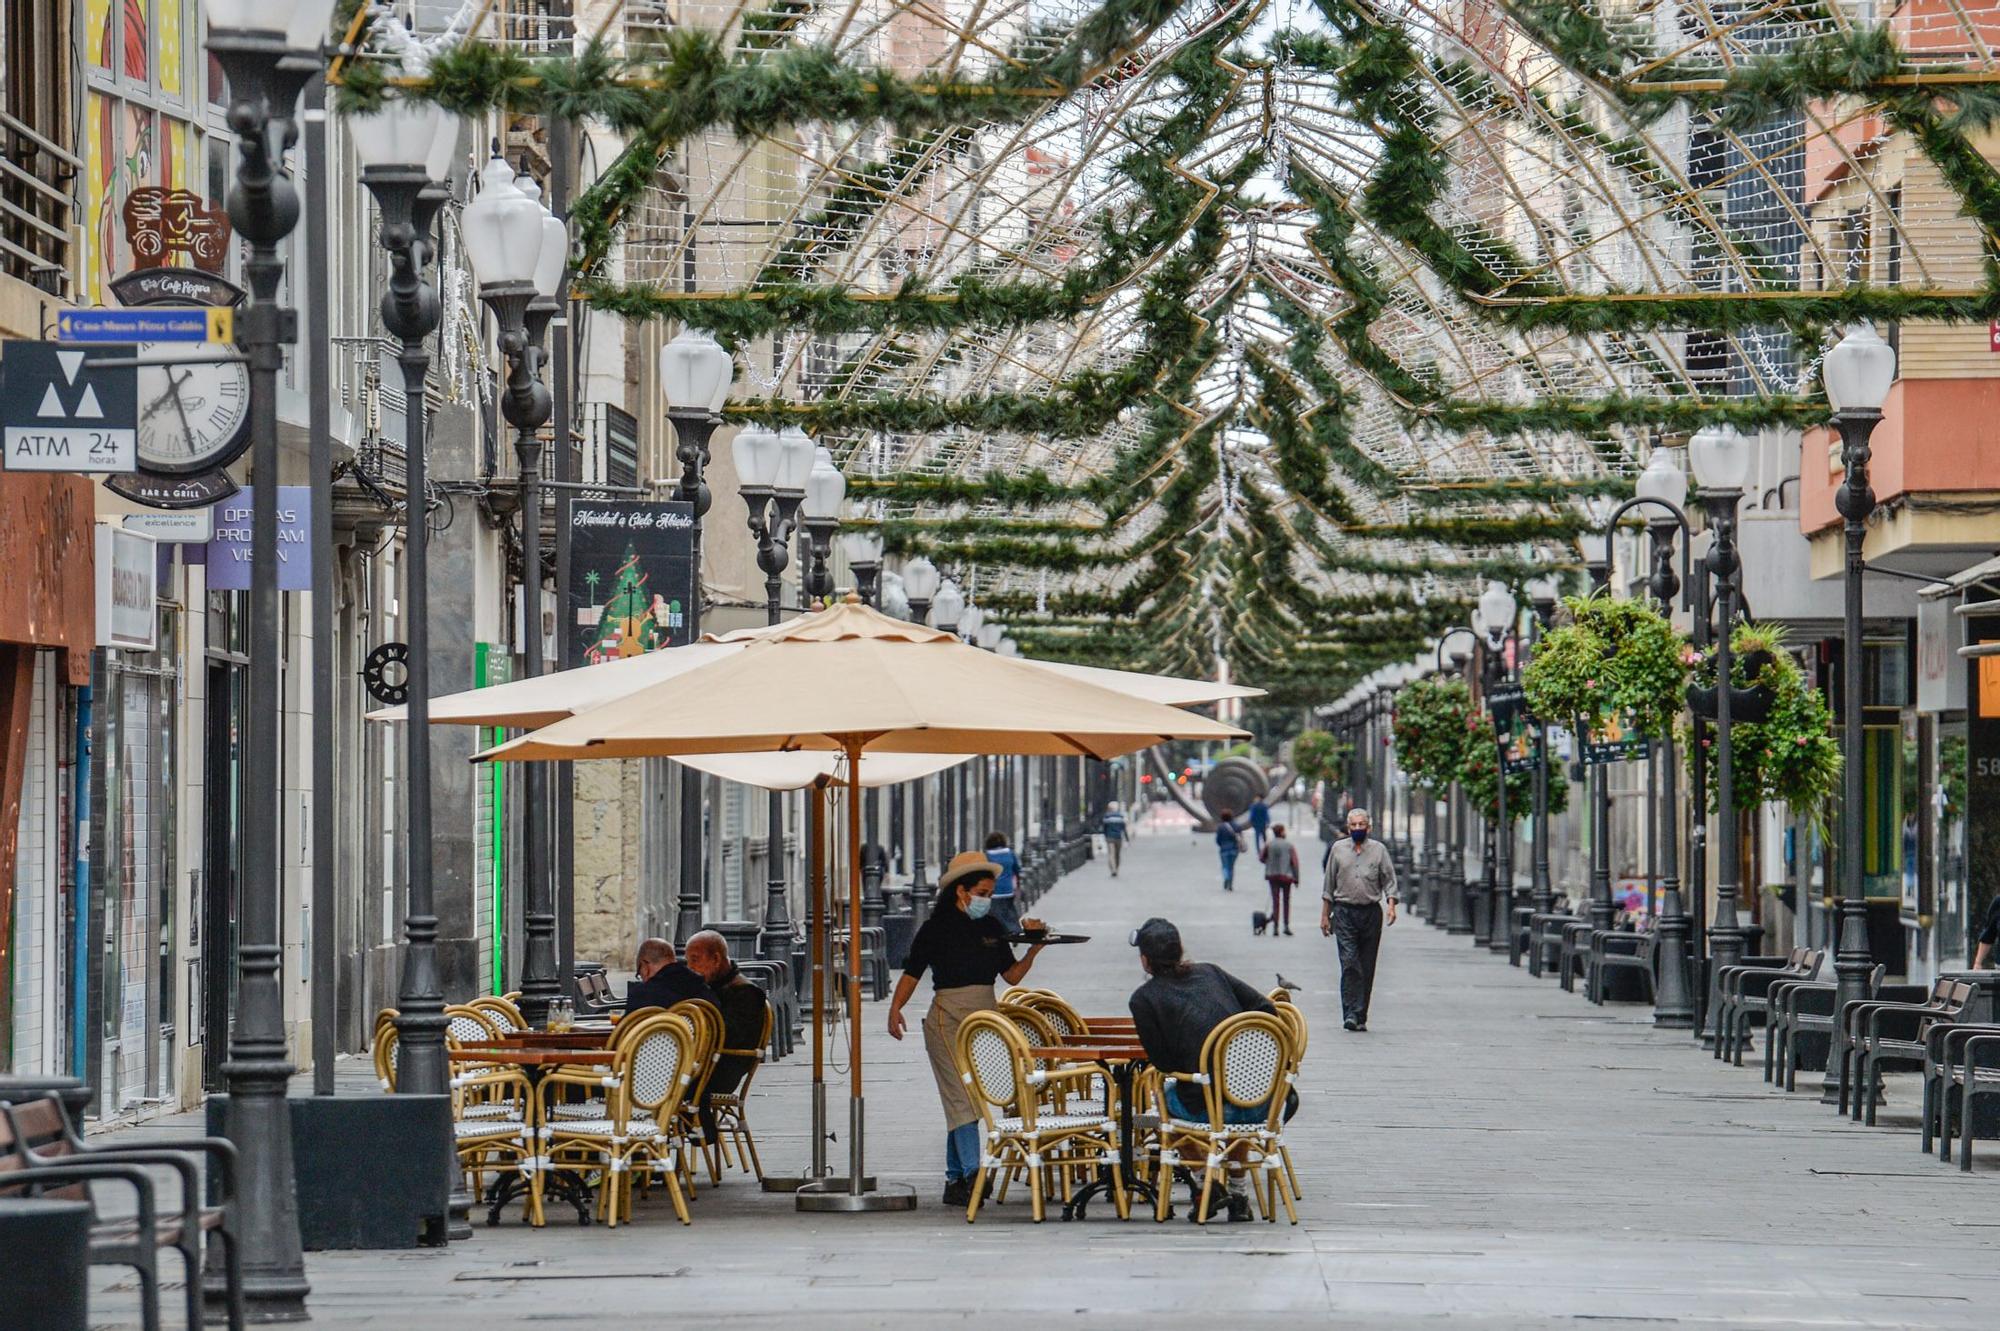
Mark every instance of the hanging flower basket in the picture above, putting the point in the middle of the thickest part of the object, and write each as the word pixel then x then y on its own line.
pixel 1434 725
pixel 1479 778
pixel 1609 659
pixel 1789 755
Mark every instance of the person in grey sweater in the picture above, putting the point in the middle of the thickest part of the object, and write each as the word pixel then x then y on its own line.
pixel 1281 874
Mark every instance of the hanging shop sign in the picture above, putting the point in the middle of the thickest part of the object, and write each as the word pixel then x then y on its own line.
pixel 174 286
pixel 50 555
pixel 228 555
pixel 631 577
pixel 61 409
pixel 128 585
pixel 198 490
pixel 1614 743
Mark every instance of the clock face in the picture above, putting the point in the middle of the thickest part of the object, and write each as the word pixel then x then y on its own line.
pixel 193 416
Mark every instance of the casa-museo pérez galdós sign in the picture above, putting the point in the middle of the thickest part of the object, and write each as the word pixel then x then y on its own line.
pixel 228 556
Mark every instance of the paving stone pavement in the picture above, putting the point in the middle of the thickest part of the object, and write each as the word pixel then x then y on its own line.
pixel 1493 1151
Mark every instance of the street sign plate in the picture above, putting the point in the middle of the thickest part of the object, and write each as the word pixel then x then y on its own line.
pixel 196 526
pixel 61 411
pixel 149 324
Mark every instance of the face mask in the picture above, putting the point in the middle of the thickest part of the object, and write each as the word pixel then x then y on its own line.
pixel 976 907
pixel 1360 834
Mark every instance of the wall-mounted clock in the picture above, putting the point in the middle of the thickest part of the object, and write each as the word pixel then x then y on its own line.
pixel 194 412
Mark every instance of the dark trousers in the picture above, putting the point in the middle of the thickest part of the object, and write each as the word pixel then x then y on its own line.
pixel 1281 903
pixel 1357 932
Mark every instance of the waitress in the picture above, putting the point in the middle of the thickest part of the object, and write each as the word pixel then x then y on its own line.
pixel 964 947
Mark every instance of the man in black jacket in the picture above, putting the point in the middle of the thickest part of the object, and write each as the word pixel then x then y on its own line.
pixel 662 980
pixel 743 1006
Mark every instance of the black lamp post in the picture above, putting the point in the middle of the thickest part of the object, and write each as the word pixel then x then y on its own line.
pixel 946 606
pixel 773 467
pixel 1541 892
pixel 864 556
pixel 920 583
pixel 406 151
pixel 1457 918
pixel 820 514
pixel 269 51
pixel 1498 612
pixel 1721 457
pixel 1858 372
pixel 695 374
pixel 1662 488
pixel 518 252
pixel 1603 911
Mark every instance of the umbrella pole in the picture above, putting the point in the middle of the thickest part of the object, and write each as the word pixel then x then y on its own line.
pixel 857 1192
pixel 816 950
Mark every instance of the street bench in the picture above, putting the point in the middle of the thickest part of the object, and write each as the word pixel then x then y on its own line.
pixel 1801 1026
pixel 1744 991
pixel 1889 1033
pixel 1619 952
pixel 41 1155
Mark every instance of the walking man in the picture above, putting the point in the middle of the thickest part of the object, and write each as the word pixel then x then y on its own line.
pixel 1260 821
pixel 1112 825
pixel 1228 845
pixel 1359 899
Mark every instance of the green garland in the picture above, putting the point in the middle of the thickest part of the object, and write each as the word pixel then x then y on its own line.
pixel 1609 660
pixel 1317 756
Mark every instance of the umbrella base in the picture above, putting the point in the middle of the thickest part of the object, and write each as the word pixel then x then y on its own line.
pixel 808 1181
pixel 831 1194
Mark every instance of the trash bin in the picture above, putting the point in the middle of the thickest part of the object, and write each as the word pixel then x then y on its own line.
pixel 45 1281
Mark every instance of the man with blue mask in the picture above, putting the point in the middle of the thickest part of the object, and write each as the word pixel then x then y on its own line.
pixel 1358 901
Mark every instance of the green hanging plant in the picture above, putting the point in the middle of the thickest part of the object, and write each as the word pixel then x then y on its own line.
pixel 1317 755
pixel 1434 723
pixel 1791 756
pixel 1610 660
pixel 1480 779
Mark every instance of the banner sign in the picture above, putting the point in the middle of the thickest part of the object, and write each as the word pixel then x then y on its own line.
pixel 631 577
pixel 127 585
pixel 228 556
pixel 63 411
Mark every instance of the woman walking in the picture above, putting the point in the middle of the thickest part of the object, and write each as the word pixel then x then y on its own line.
pixel 1281 873
pixel 963 945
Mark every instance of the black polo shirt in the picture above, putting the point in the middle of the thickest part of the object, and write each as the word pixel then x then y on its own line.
pixel 1990 931
pixel 958 950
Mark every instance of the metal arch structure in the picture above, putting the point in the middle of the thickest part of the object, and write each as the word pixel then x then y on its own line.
pixel 1443 271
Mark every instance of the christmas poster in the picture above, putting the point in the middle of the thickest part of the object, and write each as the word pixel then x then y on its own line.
pixel 631 577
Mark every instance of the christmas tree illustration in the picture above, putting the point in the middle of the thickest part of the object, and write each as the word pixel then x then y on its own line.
pixel 631 620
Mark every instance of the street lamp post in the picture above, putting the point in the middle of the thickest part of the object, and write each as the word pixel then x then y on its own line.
pixel 405 151
pixel 1664 486
pixel 518 252
pixel 864 556
pixel 1859 372
pixel 1456 917
pixel 920 583
pixel 1499 610
pixel 1542 894
pixel 772 468
pixel 1721 458
pixel 946 607
pixel 269 50
pixel 820 514
pixel 695 374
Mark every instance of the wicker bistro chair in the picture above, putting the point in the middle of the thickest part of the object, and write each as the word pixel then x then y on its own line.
pixel 706 1018
pixel 383 1044
pixel 1295 1023
pixel 1248 1060
pixel 1006 1086
pixel 504 1015
pixel 649 1082
pixel 729 1108
pixel 1057 1011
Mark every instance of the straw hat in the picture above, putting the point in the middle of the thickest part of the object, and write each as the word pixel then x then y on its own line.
pixel 968 864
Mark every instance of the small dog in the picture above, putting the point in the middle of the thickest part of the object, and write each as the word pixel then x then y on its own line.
pixel 1259 922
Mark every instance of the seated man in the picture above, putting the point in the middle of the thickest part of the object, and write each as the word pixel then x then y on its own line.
pixel 1174 1010
pixel 743 1006
pixel 662 980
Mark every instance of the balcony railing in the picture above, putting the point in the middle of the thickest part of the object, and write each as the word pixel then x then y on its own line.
pixel 37 207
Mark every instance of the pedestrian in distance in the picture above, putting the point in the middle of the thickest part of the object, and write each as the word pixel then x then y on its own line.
pixel 1281 874
pixel 1006 907
pixel 1112 827
pixel 1358 901
pixel 1228 845
pixel 1260 821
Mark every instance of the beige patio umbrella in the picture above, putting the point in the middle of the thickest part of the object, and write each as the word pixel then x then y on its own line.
pixel 850 680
